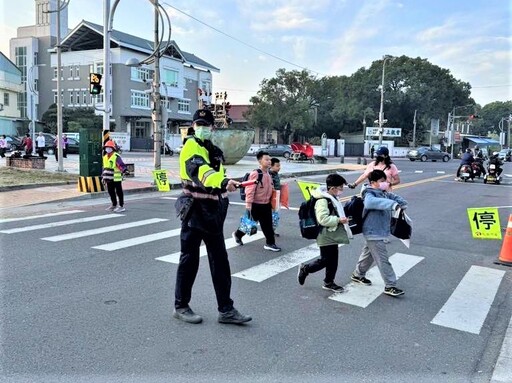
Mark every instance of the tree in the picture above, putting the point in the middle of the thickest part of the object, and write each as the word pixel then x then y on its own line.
pixel 491 114
pixel 284 103
pixel 72 119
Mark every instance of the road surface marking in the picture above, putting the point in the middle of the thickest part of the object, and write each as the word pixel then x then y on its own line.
pixel 359 295
pixel 138 240
pixel 230 243
pixel 264 271
pixel 61 223
pixel 470 302
pixel 503 370
pixel 102 230
pixel 5 220
pixel 418 171
pixel 441 172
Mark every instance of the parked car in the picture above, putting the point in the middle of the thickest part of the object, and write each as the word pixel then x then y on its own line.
pixel 13 143
pixel 73 146
pixel 505 155
pixel 425 153
pixel 278 150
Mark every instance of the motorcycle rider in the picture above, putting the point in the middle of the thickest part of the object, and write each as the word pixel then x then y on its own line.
pixel 479 160
pixel 467 159
pixel 495 160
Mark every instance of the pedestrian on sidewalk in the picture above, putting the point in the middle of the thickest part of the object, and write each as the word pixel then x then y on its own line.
pixel 372 151
pixel 330 216
pixel 203 207
pixel 379 204
pixel 382 162
pixel 258 202
pixel 113 170
pixel 3 145
pixel 27 144
pixel 40 143
pixel 64 144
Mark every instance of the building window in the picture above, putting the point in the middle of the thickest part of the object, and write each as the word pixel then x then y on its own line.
pixel 170 77
pixel 36 59
pixel 70 97
pixel 206 86
pixel 55 97
pixel 62 73
pixel 20 54
pixel 36 85
pixel 141 129
pixel 99 68
pixel 139 99
pixel 6 99
pixel 183 106
pixel 77 72
pixel 54 72
pixel 62 97
pixel 71 73
pixel 141 74
pixel 22 104
pixel 99 97
pixel 84 97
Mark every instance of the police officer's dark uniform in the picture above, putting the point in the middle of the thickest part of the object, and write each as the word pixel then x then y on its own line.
pixel 203 206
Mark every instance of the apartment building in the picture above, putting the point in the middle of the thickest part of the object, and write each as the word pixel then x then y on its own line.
pixel 10 88
pixel 182 73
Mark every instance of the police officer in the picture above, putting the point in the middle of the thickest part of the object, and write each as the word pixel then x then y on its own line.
pixel 203 207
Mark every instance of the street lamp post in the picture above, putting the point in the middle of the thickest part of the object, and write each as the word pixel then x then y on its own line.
pixel 33 92
pixel 154 58
pixel 381 110
pixel 61 5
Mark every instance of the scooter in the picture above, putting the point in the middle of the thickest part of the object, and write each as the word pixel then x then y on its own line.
pixel 492 176
pixel 477 167
pixel 465 173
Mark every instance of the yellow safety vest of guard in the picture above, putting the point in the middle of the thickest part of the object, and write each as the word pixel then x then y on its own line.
pixel 110 169
pixel 206 175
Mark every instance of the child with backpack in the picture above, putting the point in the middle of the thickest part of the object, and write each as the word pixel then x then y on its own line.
pixel 334 231
pixel 379 205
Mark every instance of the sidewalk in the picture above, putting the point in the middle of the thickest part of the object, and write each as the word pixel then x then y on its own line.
pixel 143 180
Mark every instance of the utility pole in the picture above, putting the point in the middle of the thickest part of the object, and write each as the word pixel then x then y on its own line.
pixel 157 108
pixel 381 110
pixel 60 166
pixel 106 72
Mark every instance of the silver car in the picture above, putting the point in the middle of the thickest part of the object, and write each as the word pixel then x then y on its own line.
pixel 425 154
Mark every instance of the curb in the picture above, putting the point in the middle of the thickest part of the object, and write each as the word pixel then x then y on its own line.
pixel 34 186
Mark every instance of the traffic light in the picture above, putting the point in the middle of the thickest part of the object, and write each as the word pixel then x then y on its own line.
pixel 473 116
pixel 95 86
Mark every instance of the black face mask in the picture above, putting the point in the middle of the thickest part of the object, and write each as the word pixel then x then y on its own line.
pixel 380 158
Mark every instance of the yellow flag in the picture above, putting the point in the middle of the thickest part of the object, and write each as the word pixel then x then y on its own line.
pixel 307 187
pixel 484 223
pixel 161 180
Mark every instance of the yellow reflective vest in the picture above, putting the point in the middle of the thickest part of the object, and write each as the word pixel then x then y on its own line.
pixel 110 169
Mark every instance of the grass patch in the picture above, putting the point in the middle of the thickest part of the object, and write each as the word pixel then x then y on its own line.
pixel 16 176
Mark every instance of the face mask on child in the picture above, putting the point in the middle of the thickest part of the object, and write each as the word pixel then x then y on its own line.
pixel 384 186
pixel 109 150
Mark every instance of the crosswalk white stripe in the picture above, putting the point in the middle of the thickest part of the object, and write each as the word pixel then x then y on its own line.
pixel 5 220
pixel 361 296
pixel 266 270
pixel 230 243
pixel 467 307
pixel 60 223
pixel 102 230
pixel 503 370
pixel 441 172
pixel 418 171
pixel 138 240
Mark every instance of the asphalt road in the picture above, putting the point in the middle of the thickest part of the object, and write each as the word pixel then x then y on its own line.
pixel 84 303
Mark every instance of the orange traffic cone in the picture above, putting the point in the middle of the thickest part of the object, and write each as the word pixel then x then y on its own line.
pixel 505 257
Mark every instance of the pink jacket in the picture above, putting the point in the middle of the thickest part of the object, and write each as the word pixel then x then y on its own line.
pixel 263 192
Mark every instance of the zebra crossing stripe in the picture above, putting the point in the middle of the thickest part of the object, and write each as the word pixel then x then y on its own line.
pixel 138 240
pixel 102 230
pixel 230 243
pixel 264 271
pixel 5 220
pixel 503 369
pixel 470 302
pixel 60 223
pixel 361 296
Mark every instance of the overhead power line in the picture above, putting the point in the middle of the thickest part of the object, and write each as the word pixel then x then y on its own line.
pixel 242 42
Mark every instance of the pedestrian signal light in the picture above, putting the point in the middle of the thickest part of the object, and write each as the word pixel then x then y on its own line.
pixel 95 80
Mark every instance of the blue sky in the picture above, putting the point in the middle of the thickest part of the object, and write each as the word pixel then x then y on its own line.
pixel 471 38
